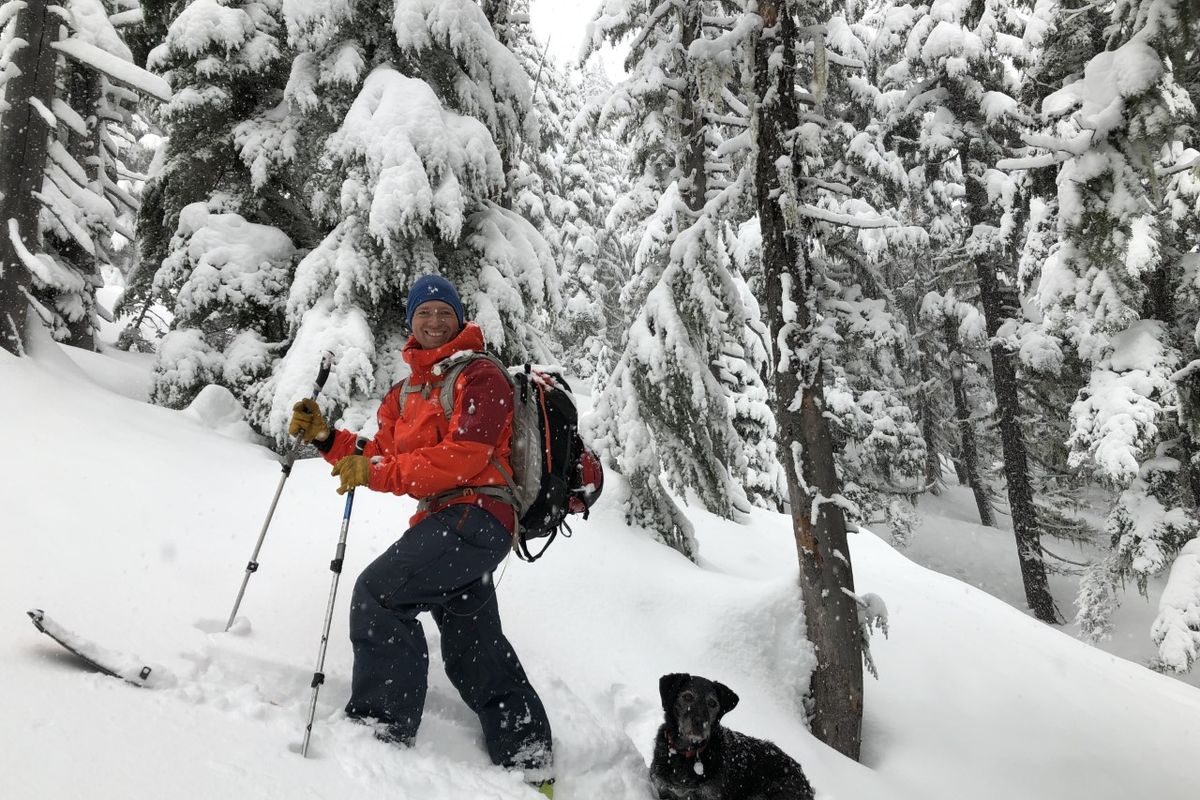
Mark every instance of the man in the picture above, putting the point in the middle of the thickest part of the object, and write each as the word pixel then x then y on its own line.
pixel 443 562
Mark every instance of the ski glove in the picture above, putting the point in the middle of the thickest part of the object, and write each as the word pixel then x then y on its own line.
pixel 308 422
pixel 354 471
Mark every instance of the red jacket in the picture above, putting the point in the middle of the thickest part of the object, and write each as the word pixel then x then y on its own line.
pixel 423 454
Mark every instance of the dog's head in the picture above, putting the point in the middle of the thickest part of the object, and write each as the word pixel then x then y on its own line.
pixel 693 707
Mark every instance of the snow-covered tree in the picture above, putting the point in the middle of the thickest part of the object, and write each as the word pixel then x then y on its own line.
pixel 1118 284
pixel 229 163
pixel 595 265
pixel 231 278
pixel 1176 630
pixel 409 118
pixel 564 182
pixel 57 172
pixel 799 210
pixel 684 357
pixel 952 88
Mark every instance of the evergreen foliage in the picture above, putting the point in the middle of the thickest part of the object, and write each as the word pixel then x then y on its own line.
pixel 685 354
pixel 220 207
pixel 1118 284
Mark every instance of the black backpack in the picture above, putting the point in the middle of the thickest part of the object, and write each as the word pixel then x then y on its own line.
pixel 554 473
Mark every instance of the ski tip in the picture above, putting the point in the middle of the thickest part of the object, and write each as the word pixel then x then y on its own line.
pixel 37 615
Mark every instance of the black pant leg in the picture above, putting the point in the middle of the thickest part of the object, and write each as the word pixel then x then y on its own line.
pixel 433 562
pixel 483 666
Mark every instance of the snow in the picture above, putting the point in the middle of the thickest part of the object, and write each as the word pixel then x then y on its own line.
pixel 1177 629
pixel 1109 78
pixel 425 159
pixel 208 25
pixel 115 68
pixel 134 523
pixel 90 23
pixel 42 266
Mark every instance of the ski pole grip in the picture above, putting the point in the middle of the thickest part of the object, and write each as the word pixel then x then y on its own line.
pixel 323 372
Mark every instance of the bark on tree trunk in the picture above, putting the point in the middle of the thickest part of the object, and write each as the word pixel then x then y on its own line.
pixel 497 13
pixel 826 575
pixel 692 160
pixel 966 431
pixel 999 304
pixel 84 91
pixel 24 133
pixel 933 459
pixel 933 456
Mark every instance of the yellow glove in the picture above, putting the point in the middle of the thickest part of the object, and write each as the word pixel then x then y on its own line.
pixel 308 422
pixel 354 471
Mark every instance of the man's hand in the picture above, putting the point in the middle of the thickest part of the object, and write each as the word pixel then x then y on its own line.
pixel 308 422
pixel 354 471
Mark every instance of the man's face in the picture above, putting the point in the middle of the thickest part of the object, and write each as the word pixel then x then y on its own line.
pixel 434 323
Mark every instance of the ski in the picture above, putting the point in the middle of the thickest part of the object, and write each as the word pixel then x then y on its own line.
pixel 125 667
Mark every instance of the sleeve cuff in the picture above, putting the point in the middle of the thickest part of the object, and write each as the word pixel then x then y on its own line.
pixel 327 445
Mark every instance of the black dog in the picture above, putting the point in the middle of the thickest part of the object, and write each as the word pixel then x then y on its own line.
pixel 695 758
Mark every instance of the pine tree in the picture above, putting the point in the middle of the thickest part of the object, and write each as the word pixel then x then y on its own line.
pixel 685 355
pixel 1118 286
pixel 798 209
pixel 223 215
pixel 952 91
pixel 56 171
pixel 411 119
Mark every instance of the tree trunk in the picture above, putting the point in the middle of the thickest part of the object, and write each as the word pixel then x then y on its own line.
pixel 85 89
pixel 497 12
pixel 24 142
pixel 692 161
pixel 999 304
pixel 933 459
pixel 966 430
pixel 933 456
pixel 826 575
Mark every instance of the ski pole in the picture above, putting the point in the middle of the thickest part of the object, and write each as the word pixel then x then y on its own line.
pixel 252 565
pixel 335 567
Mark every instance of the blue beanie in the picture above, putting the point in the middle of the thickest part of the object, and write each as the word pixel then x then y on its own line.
pixel 433 287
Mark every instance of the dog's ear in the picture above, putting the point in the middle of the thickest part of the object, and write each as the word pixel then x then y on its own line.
pixel 668 687
pixel 726 697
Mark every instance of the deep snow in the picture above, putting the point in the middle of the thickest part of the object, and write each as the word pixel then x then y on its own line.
pixel 132 524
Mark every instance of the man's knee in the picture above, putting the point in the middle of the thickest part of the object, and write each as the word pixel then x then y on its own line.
pixel 374 600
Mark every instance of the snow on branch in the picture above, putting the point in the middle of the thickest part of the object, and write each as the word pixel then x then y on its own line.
pixel 44 113
pixel 122 72
pixel 69 117
pixel 1176 630
pixel 133 16
pixel 1033 162
pixel 1098 98
pixel 872 614
pixel 1117 415
pixel 426 162
pixel 10 10
pixel 42 266
pixel 850 220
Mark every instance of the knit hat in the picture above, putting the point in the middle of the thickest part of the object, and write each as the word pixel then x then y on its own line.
pixel 433 287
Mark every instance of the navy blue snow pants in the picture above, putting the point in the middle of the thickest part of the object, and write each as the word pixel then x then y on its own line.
pixel 443 565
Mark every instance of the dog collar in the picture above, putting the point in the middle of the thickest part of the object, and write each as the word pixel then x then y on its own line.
pixel 685 752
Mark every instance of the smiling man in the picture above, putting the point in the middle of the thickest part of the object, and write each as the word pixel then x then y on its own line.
pixel 456 466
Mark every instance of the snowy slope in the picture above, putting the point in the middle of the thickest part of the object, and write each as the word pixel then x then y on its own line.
pixel 951 541
pixel 132 525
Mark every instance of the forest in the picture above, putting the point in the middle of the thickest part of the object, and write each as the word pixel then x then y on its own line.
pixel 815 257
